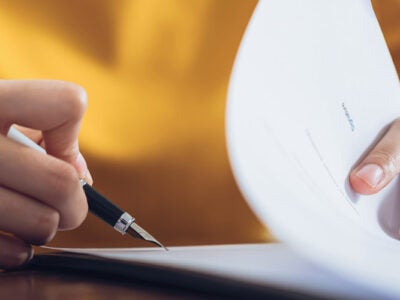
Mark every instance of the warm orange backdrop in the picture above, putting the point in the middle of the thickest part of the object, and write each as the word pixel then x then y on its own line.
pixel 156 73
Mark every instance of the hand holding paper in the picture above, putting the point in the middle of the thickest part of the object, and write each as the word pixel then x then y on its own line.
pixel 312 86
pixel 379 166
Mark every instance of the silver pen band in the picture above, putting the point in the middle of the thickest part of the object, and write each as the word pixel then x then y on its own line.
pixel 123 223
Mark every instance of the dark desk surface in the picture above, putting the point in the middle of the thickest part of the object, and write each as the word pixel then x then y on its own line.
pixel 76 276
pixel 35 285
pixel 51 285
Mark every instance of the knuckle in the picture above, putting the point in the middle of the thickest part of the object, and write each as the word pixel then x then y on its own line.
pixel 46 225
pixel 74 99
pixel 386 159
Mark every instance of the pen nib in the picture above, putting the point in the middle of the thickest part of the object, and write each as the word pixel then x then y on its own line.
pixel 136 231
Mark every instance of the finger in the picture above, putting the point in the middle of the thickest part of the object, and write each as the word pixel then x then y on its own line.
pixel 30 220
pixel 45 178
pixel 13 252
pixel 380 166
pixel 54 107
pixel 33 134
pixel 37 137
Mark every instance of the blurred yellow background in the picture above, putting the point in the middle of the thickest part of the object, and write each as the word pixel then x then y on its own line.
pixel 156 73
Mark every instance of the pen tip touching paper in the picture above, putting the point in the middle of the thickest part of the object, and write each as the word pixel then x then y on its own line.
pixel 136 231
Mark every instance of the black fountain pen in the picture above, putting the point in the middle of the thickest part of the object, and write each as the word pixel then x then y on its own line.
pixel 116 217
pixel 98 204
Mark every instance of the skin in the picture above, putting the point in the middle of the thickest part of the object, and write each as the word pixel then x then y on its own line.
pixel 381 164
pixel 49 112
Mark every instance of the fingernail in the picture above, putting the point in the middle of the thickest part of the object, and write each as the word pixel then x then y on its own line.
pixel 89 178
pixel 371 174
pixel 21 257
pixel 29 256
pixel 81 166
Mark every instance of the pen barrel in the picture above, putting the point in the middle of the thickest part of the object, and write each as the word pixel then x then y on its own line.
pixel 101 207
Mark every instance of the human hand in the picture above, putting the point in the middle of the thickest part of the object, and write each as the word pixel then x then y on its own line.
pixel 39 194
pixel 381 164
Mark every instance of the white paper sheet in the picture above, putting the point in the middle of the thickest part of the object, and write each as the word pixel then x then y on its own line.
pixel 312 88
pixel 273 265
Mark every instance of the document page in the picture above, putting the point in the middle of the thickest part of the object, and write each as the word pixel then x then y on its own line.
pixel 313 88
pixel 269 265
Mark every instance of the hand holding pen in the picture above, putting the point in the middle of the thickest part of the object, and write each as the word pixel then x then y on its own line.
pixel 30 211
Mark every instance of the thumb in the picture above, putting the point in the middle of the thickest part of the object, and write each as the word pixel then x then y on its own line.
pixel 380 166
pixel 53 107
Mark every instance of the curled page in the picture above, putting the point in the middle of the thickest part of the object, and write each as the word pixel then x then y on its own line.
pixel 313 88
